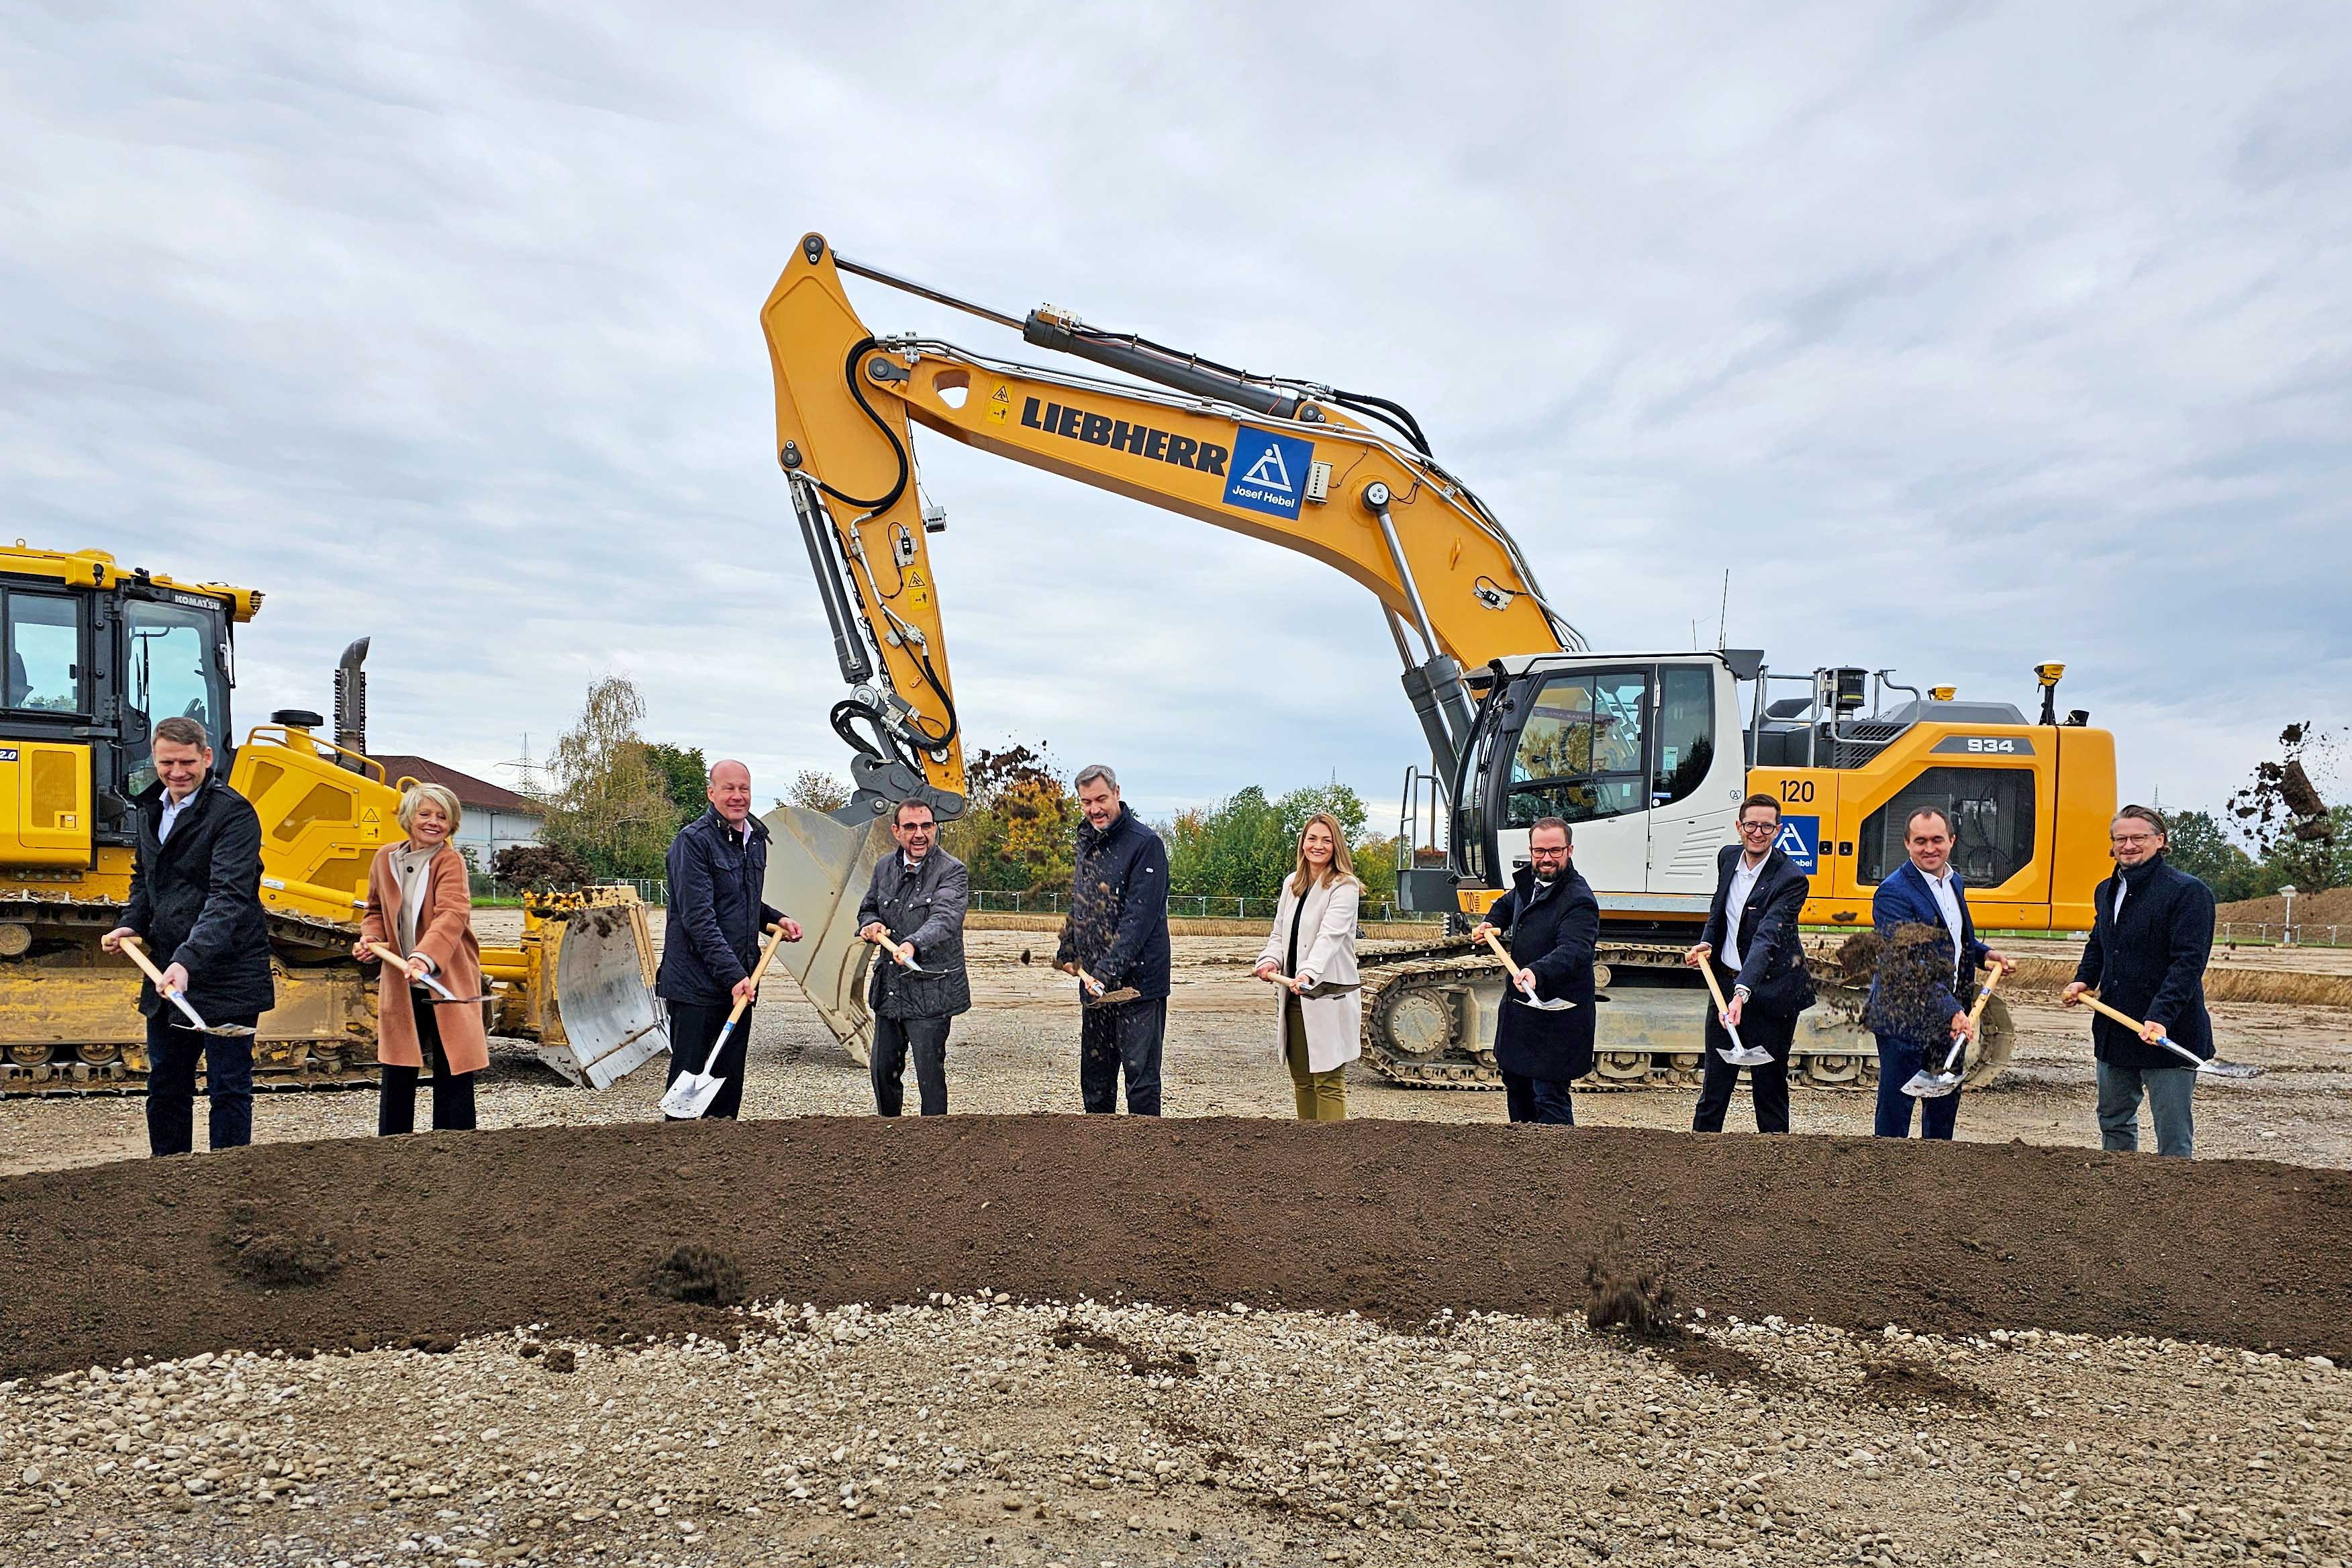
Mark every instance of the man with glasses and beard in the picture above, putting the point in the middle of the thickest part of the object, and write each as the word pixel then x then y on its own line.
pixel 1552 924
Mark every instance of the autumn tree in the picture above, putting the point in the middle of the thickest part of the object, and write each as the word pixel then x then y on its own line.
pixel 814 789
pixel 609 807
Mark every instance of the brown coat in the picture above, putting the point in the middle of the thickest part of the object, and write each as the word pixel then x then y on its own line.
pixel 444 934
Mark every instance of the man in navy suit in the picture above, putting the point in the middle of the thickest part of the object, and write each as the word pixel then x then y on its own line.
pixel 1915 1005
pixel 1760 965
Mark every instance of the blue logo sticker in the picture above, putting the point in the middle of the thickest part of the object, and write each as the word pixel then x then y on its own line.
pixel 1268 472
pixel 1801 841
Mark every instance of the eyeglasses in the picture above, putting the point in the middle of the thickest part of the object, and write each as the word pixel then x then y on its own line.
pixel 1758 826
pixel 2131 837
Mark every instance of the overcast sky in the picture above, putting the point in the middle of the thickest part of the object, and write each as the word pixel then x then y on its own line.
pixel 1967 336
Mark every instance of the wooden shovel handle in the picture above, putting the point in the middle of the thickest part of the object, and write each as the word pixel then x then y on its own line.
pixel 2095 1005
pixel 130 944
pixel 1985 995
pixel 1707 970
pixel 767 954
pixel 389 954
pixel 1513 970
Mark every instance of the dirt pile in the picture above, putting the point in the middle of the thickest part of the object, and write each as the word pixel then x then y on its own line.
pixel 2312 912
pixel 567 1226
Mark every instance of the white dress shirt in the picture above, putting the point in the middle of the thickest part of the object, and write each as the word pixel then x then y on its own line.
pixel 1734 906
pixel 171 807
pixel 1947 899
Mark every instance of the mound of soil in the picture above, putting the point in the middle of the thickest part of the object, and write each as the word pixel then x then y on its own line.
pixel 460 1233
pixel 2313 912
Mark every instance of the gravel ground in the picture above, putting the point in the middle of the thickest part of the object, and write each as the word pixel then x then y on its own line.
pixel 973 1432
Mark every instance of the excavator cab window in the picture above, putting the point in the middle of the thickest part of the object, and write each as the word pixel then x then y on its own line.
pixel 1686 731
pixel 174 672
pixel 43 634
pixel 1582 753
pixel 1992 824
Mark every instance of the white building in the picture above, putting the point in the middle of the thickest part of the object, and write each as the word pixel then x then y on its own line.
pixel 495 818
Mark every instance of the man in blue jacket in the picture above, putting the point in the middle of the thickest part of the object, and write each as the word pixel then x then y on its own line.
pixel 710 940
pixel 1760 965
pixel 2149 940
pixel 1118 933
pixel 1553 923
pixel 1915 1007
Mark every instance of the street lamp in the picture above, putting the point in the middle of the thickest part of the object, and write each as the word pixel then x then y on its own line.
pixel 2288 939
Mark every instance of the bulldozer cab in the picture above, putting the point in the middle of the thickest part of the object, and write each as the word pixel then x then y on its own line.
pixel 175 665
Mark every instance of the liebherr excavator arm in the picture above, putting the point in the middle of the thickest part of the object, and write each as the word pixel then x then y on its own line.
pixel 1302 465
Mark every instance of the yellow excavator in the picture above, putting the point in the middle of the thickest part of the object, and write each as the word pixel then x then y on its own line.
pixel 95 655
pixel 1648 754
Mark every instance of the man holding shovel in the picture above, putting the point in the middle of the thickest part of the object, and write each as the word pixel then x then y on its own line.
pixel 710 940
pixel 1553 922
pixel 913 914
pixel 2149 941
pixel 1930 957
pixel 1116 942
pixel 196 910
pixel 1760 971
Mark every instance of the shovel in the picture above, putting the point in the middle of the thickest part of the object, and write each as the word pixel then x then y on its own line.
pixel 196 1022
pixel 1096 995
pixel 1926 1085
pixel 1520 984
pixel 2214 1068
pixel 1741 1054
pixel 909 964
pixel 1321 988
pixel 392 955
pixel 691 1095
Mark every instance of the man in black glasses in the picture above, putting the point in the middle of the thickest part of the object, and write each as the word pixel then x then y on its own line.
pixel 1760 965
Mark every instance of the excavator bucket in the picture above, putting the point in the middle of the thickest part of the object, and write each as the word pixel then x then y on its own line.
pixel 818 868
pixel 1993 1051
pixel 607 1023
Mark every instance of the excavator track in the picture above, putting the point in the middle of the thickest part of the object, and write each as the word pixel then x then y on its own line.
pixel 1413 1013
pixel 319 985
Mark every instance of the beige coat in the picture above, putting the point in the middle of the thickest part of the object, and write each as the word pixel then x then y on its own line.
pixel 1327 952
pixel 444 934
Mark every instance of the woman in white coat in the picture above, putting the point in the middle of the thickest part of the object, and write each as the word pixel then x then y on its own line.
pixel 1318 1026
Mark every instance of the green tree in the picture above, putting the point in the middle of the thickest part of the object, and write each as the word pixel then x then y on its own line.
pixel 2199 844
pixel 609 805
pixel 1019 823
pixel 814 789
pixel 1376 867
pixel 685 777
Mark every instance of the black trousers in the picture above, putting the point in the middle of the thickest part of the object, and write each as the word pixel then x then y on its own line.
pixel 1123 1037
pixel 692 1029
pixel 1769 1084
pixel 453 1093
pixel 894 1039
pixel 171 1056
pixel 1543 1100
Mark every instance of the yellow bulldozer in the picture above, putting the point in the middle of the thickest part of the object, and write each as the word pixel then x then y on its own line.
pixel 96 656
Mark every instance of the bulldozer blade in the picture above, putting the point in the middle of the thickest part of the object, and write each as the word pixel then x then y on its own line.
pixel 818 871
pixel 604 997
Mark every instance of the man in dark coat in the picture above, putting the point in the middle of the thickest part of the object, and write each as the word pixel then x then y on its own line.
pixel 914 908
pixel 196 908
pixel 1117 932
pixel 1930 956
pixel 2149 940
pixel 1552 922
pixel 1760 965
pixel 711 939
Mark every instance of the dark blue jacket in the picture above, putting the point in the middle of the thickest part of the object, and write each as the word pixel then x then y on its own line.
pixel 1554 934
pixel 1118 929
pixel 2151 965
pixel 711 937
pixel 1905 899
pixel 196 899
pixel 1772 958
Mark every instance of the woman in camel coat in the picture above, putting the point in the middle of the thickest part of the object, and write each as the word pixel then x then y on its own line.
pixel 1318 1026
pixel 419 902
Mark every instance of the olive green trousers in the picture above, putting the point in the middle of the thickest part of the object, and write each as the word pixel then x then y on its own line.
pixel 1321 1096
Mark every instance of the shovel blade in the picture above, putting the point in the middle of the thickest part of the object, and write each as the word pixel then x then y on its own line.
pixel 818 871
pixel 1554 1005
pixel 691 1095
pixel 1931 1085
pixel 1746 1057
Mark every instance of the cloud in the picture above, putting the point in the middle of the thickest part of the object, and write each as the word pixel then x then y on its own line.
pixel 1966 336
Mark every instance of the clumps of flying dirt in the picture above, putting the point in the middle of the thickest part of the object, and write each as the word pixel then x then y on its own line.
pixel 2283 804
pixel 1912 976
pixel 1070 1334
pixel 1639 1301
pixel 259 1251
pixel 699 1274
pixel 1896 1383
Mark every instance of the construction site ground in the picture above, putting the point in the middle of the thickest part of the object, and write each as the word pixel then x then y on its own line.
pixel 1224 1339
